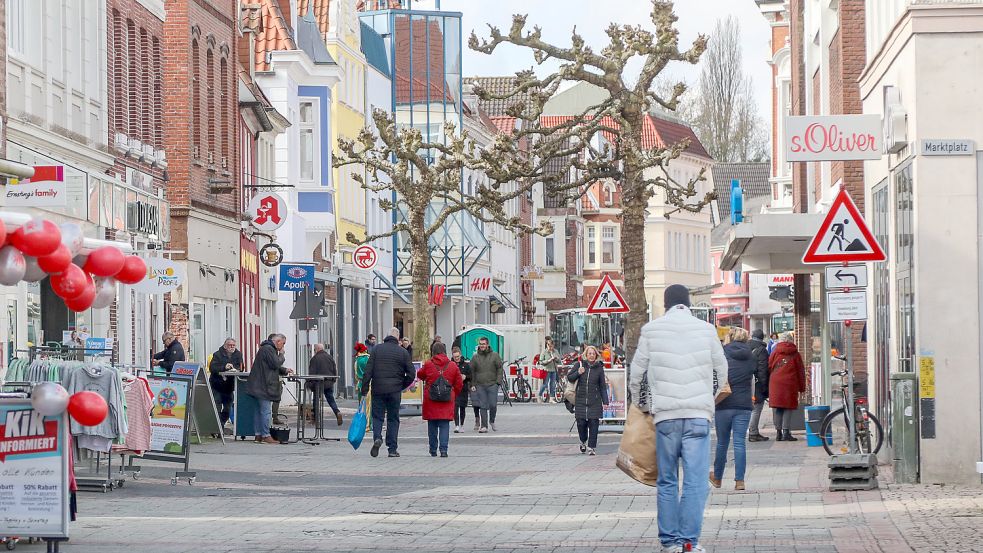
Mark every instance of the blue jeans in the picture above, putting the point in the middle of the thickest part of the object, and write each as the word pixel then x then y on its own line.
pixel 688 440
pixel 439 431
pixel 263 417
pixel 386 407
pixel 551 381
pixel 731 421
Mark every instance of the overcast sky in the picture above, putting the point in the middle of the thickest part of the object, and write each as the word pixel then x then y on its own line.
pixel 591 17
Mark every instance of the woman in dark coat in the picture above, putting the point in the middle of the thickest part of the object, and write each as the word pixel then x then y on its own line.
pixel 439 414
pixel 786 381
pixel 592 396
pixel 461 403
pixel 733 413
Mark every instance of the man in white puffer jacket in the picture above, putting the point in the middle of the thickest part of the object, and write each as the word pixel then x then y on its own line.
pixel 681 355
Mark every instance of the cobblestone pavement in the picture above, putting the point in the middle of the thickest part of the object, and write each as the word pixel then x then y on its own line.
pixel 525 488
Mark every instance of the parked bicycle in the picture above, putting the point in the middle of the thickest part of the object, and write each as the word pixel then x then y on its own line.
pixel 835 428
pixel 521 386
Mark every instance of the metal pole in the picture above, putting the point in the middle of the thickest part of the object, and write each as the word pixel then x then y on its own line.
pixel 849 409
pixel 307 331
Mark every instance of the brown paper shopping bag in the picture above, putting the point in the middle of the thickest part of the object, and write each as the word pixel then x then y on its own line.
pixel 636 454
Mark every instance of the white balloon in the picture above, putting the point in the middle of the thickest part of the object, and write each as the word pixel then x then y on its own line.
pixel 33 273
pixel 49 399
pixel 12 266
pixel 105 292
pixel 72 237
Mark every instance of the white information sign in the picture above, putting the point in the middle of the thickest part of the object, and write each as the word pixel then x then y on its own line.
pixel 851 276
pixel 33 472
pixel 163 275
pixel 833 137
pixel 846 306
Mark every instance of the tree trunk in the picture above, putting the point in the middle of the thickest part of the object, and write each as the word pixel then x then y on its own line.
pixel 634 201
pixel 422 310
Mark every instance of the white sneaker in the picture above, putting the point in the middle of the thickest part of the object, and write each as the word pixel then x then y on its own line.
pixel 672 549
pixel 457 429
pixel 591 452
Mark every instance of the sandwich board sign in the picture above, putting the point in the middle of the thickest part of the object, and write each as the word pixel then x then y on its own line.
pixel 843 237
pixel 607 299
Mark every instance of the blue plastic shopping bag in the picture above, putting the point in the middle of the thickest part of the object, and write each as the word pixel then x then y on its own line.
pixel 356 433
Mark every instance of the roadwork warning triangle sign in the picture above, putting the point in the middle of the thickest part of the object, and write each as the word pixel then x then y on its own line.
pixel 843 237
pixel 607 299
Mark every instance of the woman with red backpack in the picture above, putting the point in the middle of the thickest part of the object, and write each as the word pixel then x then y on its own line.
pixel 786 381
pixel 442 381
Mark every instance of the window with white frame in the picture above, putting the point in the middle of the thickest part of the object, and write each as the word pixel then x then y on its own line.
pixel 308 139
pixel 608 244
pixel 550 253
pixel 591 245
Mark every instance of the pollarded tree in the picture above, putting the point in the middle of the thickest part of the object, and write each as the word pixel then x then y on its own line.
pixel 630 97
pixel 426 179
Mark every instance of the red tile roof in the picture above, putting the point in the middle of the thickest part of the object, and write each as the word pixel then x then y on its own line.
pixel 656 132
pixel 504 124
pixel 273 34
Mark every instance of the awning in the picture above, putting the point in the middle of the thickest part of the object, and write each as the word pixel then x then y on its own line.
pixel 502 297
pixel 391 287
pixel 772 243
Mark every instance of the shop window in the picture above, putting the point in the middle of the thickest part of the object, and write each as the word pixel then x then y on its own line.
pixel 882 301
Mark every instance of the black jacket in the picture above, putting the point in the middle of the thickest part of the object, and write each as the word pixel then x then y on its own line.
pixel 173 353
pixel 741 366
pixel 759 350
pixel 465 367
pixel 264 376
pixel 220 359
pixel 389 369
pixel 592 389
pixel 322 364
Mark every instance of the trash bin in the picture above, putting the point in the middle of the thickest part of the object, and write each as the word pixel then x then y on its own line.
pixel 814 418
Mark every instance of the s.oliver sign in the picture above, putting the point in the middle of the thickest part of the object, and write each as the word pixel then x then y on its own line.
pixel 833 138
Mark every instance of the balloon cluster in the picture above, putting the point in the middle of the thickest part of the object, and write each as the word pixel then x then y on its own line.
pixel 51 399
pixel 40 248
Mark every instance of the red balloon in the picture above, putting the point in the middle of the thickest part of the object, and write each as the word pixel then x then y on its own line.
pixel 88 408
pixel 134 270
pixel 70 283
pixel 105 261
pixel 84 300
pixel 37 238
pixel 56 262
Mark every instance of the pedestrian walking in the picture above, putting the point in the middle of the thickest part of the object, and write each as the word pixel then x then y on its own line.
pixel 370 341
pixel 681 356
pixel 227 358
pixel 760 352
pixel 322 364
pixel 436 340
pixel 487 373
pixel 388 372
pixel 173 352
pixel 786 381
pixel 734 412
pixel 549 359
pixel 436 411
pixel 361 359
pixel 461 401
pixel 264 384
pixel 592 395
pixel 407 344
pixel 772 342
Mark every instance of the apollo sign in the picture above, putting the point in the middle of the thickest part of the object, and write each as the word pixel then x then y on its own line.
pixel 833 138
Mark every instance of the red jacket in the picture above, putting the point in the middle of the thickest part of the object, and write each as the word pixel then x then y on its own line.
pixel 788 377
pixel 439 410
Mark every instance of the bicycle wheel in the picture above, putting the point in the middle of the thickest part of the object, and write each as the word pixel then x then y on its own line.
pixel 834 433
pixel 870 435
pixel 520 388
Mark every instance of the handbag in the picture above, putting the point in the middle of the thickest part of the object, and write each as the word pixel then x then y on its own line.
pixel 722 394
pixel 360 423
pixel 636 453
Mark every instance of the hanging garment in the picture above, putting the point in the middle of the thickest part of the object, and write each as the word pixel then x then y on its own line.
pixel 105 381
pixel 139 405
